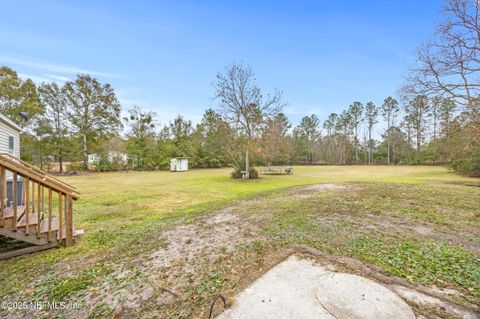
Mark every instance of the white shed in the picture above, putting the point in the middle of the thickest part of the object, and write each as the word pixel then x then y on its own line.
pixel 9 136
pixel 179 164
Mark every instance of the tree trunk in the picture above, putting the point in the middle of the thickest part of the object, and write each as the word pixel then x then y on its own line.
pixel 60 164
pixel 247 165
pixel 366 158
pixel 419 133
pixel 418 142
pixel 388 147
pixel 369 143
pixel 388 140
pixel 85 152
pixel 356 144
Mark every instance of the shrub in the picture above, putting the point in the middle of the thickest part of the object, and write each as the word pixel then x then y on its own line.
pixel 253 173
pixel 414 161
pixel 74 167
pixel 108 163
pixel 469 166
pixel 104 164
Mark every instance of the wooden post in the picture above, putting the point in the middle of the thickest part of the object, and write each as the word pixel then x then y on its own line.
pixel 3 187
pixel 26 184
pixel 49 234
pixel 24 199
pixel 27 194
pixel 43 201
pixel 69 220
pixel 60 217
pixel 33 196
pixel 39 199
pixel 39 221
pixel 39 214
pixel 14 195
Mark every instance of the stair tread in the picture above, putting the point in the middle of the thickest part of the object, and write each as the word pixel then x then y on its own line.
pixel 44 228
pixel 32 220
pixel 8 213
pixel 20 235
pixel 44 225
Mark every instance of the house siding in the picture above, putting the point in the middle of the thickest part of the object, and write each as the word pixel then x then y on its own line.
pixel 5 132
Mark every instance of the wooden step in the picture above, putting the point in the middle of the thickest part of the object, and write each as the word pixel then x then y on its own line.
pixel 8 213
pixel 20 235
pixel 44 225
pixel 44 229
pixel 54 228
pixel 32 220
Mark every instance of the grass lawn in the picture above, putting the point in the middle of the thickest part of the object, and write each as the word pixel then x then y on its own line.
pixel 152 245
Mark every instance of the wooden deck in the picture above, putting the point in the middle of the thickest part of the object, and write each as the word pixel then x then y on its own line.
pixel 44 216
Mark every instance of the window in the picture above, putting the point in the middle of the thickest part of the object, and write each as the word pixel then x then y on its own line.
pixel 11 143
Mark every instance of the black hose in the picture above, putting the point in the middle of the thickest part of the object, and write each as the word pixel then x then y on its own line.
pixel 213 304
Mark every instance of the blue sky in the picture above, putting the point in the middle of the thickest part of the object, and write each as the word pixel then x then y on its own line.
pixel 163 55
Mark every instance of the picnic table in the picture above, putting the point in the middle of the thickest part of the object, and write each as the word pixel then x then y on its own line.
pixel 279 170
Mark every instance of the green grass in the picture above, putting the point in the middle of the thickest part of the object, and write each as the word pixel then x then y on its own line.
pixel 432 262
pixel 111 200
pixel 378 224
pixel 59 289
pixel 124 214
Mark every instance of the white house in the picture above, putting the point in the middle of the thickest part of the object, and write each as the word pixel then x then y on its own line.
pixel 9 136
pixel 10 144
pixel 179 164
pixel 113 156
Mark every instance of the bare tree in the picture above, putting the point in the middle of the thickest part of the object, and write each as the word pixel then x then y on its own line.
pixel 242 104
pixel 449 64
pixel 274 139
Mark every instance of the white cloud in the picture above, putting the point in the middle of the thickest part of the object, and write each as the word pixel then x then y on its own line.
pixel 291 110
pixel 51 67
pixel 38 79
pixel 58 77
pixel 130 102
pixel 128 96
pixel 35 78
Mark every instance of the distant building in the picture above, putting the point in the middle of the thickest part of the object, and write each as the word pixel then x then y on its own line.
pixel 179 164
pixel 113 156
pixel 9 136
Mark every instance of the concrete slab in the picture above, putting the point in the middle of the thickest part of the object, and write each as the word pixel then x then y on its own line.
pixel 287 291
pixel 299 288
pixel 349 296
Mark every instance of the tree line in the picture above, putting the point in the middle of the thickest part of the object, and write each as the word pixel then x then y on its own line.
pixel 434 120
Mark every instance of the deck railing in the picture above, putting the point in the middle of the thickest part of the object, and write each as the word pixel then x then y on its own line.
pixel 42 196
